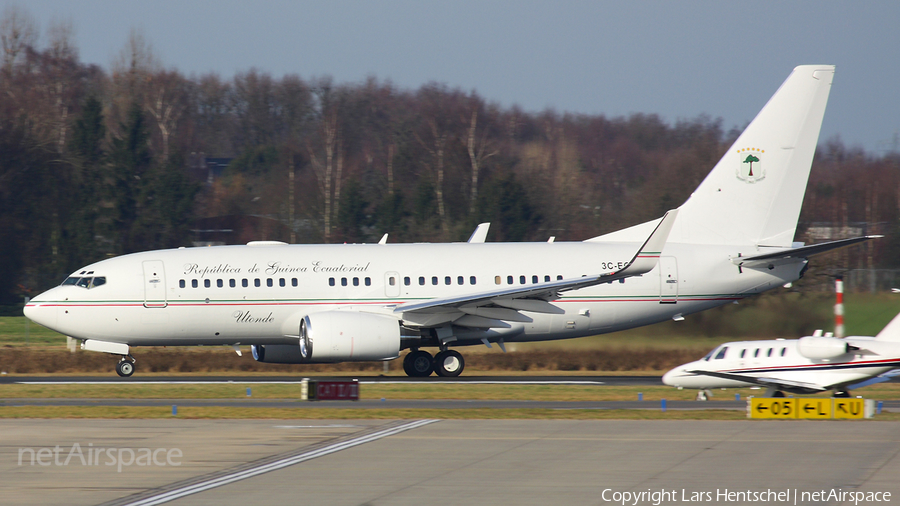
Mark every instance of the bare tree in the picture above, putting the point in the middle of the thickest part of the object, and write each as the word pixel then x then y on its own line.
pixel 166 100
pixel 18 30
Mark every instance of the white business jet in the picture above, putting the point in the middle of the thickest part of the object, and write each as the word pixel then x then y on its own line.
pixel 808 365
pixel 361 302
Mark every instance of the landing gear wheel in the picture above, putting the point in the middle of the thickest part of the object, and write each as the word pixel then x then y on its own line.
pixel 418 364
pixel 125 368
pixel 449 364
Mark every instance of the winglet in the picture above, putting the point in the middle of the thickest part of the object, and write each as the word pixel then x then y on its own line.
pixel 480 233
pixel 648 256
pixel 383 239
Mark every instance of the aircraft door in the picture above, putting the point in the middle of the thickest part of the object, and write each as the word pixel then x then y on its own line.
pixel 154 284
pixel 392 284
pixel 668 280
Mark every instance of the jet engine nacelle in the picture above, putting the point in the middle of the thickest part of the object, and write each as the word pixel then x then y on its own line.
pixel 337 336
pixel 818 347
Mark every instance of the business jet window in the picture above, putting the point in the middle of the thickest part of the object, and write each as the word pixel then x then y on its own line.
pixel 709 355
pixel 743 352
pixel 756 353
pixel 721 354
pixel 783 351
pixel 769 354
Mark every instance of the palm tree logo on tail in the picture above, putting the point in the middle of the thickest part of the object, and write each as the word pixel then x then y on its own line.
pixel 751 169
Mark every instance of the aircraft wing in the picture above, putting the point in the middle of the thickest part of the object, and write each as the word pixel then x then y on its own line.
pixel 801 252
pixel 534 297
pixel 781 384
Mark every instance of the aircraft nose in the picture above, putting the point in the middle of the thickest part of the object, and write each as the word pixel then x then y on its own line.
pixel 667 377
pixel 40 311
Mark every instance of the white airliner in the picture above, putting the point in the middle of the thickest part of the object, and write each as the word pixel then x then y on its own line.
pixel 361 302
pixel 808 365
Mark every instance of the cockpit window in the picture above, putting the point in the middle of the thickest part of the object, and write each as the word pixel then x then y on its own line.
pixel 85 281
pixel 721 353
pixel 709 355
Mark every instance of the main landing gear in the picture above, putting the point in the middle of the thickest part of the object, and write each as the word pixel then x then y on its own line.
pixel 125 367
pixel 447 363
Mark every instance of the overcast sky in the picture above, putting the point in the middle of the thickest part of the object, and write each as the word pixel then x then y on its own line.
pixel 676 59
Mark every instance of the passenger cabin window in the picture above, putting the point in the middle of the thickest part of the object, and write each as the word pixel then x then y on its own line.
pixel 330 281
pixel 293 281
pixel 256 282
pixel 194 283
pixel 546 279
pixel 446 280
pixel 232 283
pixel 471 280
pixel 392 281
pixel 181 283
pixel 534 279
pixel 407 281
pixel 421 280
pixel 343 281
pixel 434 280
pixel 460 280
pixel 282 282
pixel 783 351
pixel 521 280
pixel 769 354
pixel 559 277
pixel 743 352
pixel 509 280
pixel 496 280
pixel 220 283
pixel 245 283
pixel 756 353
pixel 269 282
pixel 206 283
pixel 355 281
pixel 368 281
pixel 721 354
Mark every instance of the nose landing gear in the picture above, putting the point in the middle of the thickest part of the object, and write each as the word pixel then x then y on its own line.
pixel 125 366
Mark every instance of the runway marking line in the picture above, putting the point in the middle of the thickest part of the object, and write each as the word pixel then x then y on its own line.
pixel 243 474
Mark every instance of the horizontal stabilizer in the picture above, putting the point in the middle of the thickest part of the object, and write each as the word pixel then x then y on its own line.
pixel 801 252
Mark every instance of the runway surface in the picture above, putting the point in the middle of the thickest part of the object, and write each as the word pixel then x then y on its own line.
pixel 574 380
pixel 450 462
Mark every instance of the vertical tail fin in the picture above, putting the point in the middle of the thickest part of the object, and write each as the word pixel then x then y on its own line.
pixel 891 331
pixel 753 195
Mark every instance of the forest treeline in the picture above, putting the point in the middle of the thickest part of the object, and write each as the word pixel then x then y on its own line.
pixel 97 162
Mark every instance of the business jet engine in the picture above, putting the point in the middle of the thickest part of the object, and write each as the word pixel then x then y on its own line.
pixel 820 347
pixel 337 336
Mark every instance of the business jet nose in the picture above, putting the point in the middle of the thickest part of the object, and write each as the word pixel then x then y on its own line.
pixel 667 377
pixel 40 311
